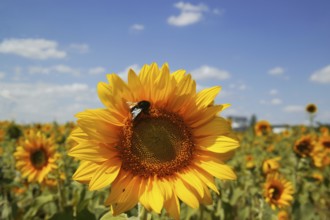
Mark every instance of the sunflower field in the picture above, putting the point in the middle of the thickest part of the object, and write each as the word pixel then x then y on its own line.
pixel 282 175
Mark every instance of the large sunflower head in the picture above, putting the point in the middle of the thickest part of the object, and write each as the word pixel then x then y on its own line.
pixel 278 191
pixel 157 141
pixel 311 108
pixel 304 146
pixel 36 156
pixel 262 128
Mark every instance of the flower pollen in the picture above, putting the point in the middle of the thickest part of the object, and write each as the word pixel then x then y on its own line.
pixel 158 143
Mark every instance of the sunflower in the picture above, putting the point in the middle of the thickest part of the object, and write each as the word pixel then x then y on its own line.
pixel 311 108
pixel 304 146
pixel 283 215
pixel 271 165
pixel 278 191
pixel 157 141
pixel 249 161
pixel 262 128
pixel 36 157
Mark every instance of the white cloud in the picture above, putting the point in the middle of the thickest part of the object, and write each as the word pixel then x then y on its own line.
pixel 63 69
pixel 137 27
pixel 238 86
pixel 276 71
pixel 2 75
pixel 96 70
pixel 40 102
pixel 273 92
pixel 80 48
pixel 321 76
pixel 276 101
pixel 208 72
pixel 293 108
pixel 41 49
pixel 189 14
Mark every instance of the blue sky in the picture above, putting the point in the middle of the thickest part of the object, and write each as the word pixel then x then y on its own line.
pixel 271 58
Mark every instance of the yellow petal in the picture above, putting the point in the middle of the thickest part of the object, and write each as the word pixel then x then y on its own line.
pixel 216 169
pixel 87 150
pixel 207 96
pixel 106 174
pixel 85 171
pixel 172 206
pixel 206 178
pixel 135 85
pixel 128 197
pixel 119 87
pixel 186 193
pixel 189 177
pixel 220 144
pixel 218 126
pixel 203 116
pixel 152 196
pixel 118 186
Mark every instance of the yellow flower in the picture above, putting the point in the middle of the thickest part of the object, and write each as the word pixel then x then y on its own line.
pixel 262 128
pixel 278 191
pixel 167 146
pixel 283 215
pixel 249 162
pixel 271 165
pixel 304 146
pixel 36 157
pixel 317 176
pixel 311 108
pixel 324 131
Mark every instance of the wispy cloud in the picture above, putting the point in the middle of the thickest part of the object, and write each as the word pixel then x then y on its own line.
pixel 189 14
pixel 276 101
pixel 80 48
pixel 293 108
pixel 137 27
pixel 2 75
pixel 273 92
pixel 321 76
pixel 208 72
pixel 40 102
pixel 40 49
pixel 96 70
pixel 63 69
pixel 276 71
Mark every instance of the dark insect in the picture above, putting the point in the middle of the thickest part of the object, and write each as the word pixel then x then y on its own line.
pixel 138 107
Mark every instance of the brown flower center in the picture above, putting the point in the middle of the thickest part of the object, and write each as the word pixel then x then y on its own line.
pixel 158 143
pixel 275 193
pixel 304 148
pixel 326 144
pixel 39 158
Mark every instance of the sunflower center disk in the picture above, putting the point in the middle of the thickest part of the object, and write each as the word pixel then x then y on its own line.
pixel 156 144
pixel 38 158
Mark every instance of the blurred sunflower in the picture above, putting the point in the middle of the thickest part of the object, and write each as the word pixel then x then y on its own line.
pixel 278 191
pixel 271 165
pixel 324 142
pixel 262 128
pixel 169 146
pixel 249 162
pixel 324 131
pixel 311 108
pixel 283 215
pixel 304 146
pixel 36 157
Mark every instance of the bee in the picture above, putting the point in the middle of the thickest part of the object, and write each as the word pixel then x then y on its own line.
pixel 138 107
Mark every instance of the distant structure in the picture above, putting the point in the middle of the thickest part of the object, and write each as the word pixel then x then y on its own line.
pixel 280 128
pixel 239 123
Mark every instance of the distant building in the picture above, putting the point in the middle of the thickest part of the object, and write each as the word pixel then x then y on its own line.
pixel 280 128
pixel 239 123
